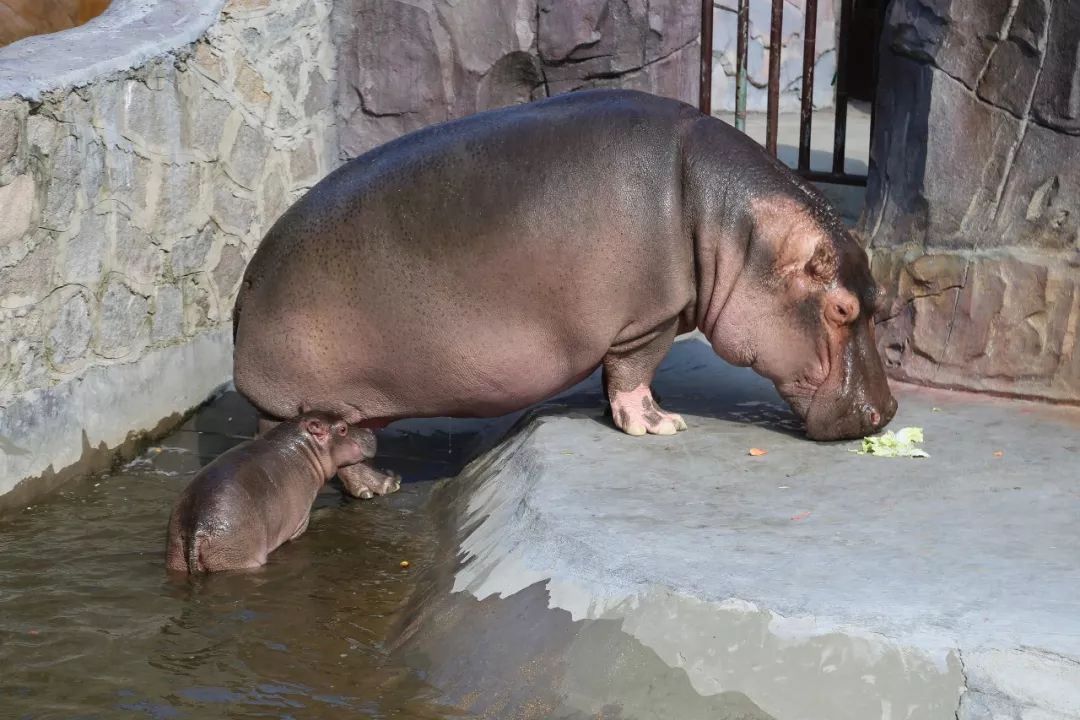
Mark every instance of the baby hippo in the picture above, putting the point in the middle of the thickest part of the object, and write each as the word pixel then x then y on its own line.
pixel 258 495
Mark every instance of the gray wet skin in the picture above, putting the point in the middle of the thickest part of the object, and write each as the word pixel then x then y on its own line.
pixel 476 267
pixel 258 495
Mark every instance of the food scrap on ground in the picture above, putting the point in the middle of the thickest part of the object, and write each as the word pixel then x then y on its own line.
pixel 899 444
pixel 404 564
pixel 999 453
pixel 757 452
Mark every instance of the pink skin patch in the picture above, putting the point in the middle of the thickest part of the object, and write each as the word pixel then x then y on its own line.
pixel 636 413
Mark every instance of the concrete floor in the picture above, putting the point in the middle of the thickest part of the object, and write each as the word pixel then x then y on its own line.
pixel 811 581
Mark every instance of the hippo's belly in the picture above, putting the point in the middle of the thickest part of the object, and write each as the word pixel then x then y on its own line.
pixel 405 361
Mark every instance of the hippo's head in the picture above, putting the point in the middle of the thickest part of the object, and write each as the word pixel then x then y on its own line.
pixel 337 443
pixel 801 313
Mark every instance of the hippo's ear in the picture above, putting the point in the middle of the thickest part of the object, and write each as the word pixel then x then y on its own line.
pixel 316 428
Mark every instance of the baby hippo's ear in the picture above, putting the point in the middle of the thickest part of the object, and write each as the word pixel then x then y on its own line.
pixel 316 428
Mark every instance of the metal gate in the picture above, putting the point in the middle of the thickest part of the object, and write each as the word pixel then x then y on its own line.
pixel 837 174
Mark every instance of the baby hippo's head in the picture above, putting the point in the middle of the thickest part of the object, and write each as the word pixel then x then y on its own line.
pixel 337 444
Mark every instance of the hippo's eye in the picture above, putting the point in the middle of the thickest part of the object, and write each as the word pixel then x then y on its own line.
pixel 341 429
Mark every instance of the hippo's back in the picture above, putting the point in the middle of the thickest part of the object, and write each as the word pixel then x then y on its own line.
pixel 473 267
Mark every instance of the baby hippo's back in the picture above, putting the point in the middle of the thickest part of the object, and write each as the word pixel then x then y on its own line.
pixel 257 496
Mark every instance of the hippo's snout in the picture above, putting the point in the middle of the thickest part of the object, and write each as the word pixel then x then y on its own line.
pixel 844 421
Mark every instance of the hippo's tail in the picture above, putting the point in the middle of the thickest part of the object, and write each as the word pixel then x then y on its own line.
pixel 236 311
pixel 194 547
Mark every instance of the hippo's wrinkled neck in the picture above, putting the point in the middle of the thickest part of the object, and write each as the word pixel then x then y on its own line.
pixel 717 202
pixel 721 248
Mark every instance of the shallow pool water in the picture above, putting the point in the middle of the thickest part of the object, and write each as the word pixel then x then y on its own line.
pixel 92 627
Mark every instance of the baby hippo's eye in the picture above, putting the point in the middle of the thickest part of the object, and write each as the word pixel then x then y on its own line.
pixel 342 429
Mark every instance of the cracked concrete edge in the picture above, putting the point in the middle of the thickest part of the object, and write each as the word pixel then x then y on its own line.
pixel 1021 684
pixel 128 34
pixel 790 667
pixel 52 434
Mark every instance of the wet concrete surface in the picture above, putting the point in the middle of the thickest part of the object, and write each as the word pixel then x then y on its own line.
pixel 809 582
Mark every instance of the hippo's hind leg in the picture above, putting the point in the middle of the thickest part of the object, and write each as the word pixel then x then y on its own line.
pixel 363 481
pixel 628 371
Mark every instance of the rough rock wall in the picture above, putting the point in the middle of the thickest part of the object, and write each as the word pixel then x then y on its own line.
pixel 407 64
pixel 725 39
pixel 973 203
pixel 129 209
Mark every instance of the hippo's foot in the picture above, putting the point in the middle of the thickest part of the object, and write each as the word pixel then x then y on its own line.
pixel 363 481
pixel 635 412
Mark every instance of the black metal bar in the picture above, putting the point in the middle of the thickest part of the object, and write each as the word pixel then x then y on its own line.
pixel 776 32
pixel 831 177
pixel 705 86
pixel 741 49
pixel 807 109
pixel 879 21
pixel 840 137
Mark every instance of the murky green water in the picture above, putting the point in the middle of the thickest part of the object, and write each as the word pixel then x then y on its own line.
pixel 91 626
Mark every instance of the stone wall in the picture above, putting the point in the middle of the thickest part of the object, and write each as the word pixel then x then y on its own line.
pixel 725 38
pixel 131 201
pixel 449 59
pixel 972 205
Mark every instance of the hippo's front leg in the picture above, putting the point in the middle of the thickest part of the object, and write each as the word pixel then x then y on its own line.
pixel 628 371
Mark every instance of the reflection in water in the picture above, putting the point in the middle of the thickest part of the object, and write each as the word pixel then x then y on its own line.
pixel 92 627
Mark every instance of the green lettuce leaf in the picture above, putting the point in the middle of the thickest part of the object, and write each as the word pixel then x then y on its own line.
pixel 899 444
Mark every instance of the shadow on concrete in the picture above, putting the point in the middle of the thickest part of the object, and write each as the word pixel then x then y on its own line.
pixel 692 381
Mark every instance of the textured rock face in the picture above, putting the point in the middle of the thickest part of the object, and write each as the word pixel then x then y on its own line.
pixel 128 209
pixel 449 59
pixel 972 200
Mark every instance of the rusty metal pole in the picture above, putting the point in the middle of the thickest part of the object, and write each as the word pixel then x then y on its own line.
pixel 807 109
pixel 741 49
pixel 776 32
pixel 840 138
pixel 705 85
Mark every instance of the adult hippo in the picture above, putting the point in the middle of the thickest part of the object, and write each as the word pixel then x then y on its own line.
pixel 478 266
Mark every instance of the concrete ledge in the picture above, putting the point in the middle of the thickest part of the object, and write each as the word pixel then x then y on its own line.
pixel 808 583
pixel 49 435
pixel 125 36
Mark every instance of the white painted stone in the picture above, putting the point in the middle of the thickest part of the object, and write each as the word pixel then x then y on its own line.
pixel 69 336
pixel 16 209
pixel 46 429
